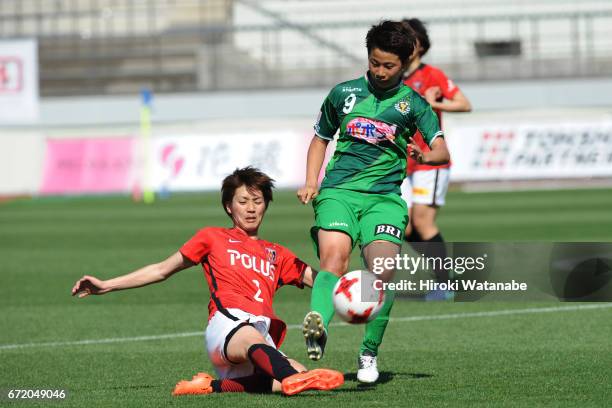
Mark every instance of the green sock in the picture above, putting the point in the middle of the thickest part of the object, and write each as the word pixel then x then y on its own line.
pixel 322 299
pixel 375 330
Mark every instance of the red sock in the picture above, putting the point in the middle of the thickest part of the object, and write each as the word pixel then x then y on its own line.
pixel 271 361
pixel 256 383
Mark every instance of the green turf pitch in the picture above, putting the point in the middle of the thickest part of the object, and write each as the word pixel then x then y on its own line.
pixel 449 354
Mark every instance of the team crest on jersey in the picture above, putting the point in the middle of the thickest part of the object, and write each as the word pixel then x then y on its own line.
pixel 418 85
pixel 271 255
pixel 402 107
pixel 370 130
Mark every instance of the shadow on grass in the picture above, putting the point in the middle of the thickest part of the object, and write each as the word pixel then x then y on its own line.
pixel 385 377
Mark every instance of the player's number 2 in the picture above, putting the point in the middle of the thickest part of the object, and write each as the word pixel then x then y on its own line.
pixel 256 296
pixel 349 103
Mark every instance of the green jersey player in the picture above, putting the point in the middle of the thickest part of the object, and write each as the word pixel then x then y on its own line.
pixel 359 199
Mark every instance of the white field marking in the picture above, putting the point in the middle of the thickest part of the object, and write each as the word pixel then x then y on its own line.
pixel 493 313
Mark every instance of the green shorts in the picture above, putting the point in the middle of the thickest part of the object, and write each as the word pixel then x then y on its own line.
pixel 365 217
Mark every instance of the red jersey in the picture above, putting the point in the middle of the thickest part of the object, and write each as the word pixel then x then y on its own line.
pixel 423 78
pixel 244 273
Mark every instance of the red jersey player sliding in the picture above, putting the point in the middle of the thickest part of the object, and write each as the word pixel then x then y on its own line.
pixel 243 273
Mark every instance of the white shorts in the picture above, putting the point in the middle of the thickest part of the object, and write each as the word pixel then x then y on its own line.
pixel 426 187
pixel 220 330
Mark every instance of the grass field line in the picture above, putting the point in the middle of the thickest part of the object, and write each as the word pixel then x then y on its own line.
pixel 492 313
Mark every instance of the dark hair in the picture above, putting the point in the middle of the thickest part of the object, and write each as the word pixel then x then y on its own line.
pixel 393 37
pixel 420 31
pixel 250 177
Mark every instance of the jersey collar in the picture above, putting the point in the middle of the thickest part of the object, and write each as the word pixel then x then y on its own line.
pixel 378 92
pixel 238 233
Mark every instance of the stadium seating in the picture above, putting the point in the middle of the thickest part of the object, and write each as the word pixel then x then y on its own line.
pixel 120 46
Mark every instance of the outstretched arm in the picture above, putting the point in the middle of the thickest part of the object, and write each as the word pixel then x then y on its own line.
pixel 90 285
pixel 316 156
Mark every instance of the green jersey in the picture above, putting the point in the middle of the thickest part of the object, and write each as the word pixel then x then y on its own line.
pixel 375 126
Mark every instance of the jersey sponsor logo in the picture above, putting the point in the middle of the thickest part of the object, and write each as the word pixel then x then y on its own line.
pixel 234 241
pixel 402 107
pixel 253 263
pixel 372 131
pixel 350 89
pixel 389 230
pixel 338 224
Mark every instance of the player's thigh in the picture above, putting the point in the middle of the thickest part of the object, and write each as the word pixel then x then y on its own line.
pixel 429 187
pixel 236 350
pixel 336 228
pixel 384 218
pixel 219 331
pixel 334 251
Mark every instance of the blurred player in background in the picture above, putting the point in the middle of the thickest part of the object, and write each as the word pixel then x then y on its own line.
pixel 243 274
pixel 424 190
pixel 359 199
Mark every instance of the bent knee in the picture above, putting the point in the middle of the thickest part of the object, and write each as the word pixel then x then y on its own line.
pixel 422 220
pixel 334 261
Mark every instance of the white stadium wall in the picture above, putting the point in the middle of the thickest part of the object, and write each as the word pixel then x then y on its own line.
pixel 91 145
pixel 21 158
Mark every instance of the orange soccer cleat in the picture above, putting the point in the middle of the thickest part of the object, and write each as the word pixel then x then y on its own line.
pixel 200 384
pixel 319 379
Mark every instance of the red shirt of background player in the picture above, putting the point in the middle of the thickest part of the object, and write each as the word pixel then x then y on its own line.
pixel 424 77
pixel 244 273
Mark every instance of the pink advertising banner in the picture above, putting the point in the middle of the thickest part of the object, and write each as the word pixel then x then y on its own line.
pixel 99 165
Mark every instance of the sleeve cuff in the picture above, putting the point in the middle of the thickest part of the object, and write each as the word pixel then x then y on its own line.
pixel 323 137
pixel 437 135
pixel 196 261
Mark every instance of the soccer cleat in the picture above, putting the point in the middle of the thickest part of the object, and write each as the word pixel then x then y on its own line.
pixel 200 384
pixel 315 335
pixel 368 372
pixel 318 379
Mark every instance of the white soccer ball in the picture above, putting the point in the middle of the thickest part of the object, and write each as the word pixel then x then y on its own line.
pixel 356 299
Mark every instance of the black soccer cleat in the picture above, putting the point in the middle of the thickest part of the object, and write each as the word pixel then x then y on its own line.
pixel 315 335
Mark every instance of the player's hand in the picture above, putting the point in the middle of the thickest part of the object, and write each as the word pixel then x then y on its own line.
pixel 433 94
pixel 415 152
pixel 89 285
pixel 307 193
